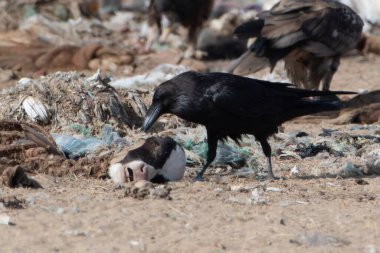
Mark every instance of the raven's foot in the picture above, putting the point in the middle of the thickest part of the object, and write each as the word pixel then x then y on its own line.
pixel 272 177
pixel 199 177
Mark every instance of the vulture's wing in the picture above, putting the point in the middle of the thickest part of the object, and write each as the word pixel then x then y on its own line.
pixel 322 27
pixel 327 27
pixel 336 31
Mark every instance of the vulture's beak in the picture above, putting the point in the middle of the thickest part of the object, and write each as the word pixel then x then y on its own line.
pixel 151 116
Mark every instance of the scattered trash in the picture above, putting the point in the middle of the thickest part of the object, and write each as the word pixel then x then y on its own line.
pixel 333 184
pixel 154 77
pixel 350 170
pixel 257 197
pixel 35 109
pixel 138 244
pixel 16 177
pixel 371 249
pixel 5 219
pixel 227 153
pixel 245 172
pixel 273 189
pixel 290 154
pixel 12 202
pixel 361 181
pixel 76 232
pixel 313 149
pixel 241 188
pixel 66 99
pixel 294 171
pixel 74 148
pixel 327 132
pixel 144 189
pixel 372 161
pixel 297 202
pixel 112 138
pixel 318 239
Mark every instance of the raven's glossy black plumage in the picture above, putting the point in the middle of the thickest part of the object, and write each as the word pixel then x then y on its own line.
pixel 229 106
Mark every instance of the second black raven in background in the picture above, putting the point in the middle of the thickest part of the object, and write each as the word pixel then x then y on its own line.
pixel 189 13
pixel 229 106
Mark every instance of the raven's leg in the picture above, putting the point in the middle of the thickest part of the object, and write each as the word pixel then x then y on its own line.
pixel 212 142
pixel 267 152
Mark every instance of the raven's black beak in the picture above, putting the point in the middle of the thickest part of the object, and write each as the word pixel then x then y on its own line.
pixel 151 116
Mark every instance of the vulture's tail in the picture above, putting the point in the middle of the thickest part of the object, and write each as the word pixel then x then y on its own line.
pixel 248 63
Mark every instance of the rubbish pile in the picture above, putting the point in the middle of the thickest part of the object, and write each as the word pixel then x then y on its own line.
pixel 69 121
pixel 71 102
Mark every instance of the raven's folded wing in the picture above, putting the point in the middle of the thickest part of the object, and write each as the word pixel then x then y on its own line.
pixel 243 100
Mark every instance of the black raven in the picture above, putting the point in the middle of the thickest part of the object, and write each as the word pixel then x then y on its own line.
pixel 189 13
pixel 230 105
pixel 310 35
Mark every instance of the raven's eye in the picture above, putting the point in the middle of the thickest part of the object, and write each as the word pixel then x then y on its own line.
pixel 158 97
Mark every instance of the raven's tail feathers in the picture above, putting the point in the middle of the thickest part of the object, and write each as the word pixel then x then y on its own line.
pixel 308 106
pixel 320 93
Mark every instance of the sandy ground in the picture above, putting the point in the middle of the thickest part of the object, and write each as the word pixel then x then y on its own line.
pixel 309 214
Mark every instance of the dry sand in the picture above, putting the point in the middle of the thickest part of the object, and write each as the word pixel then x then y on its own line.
pixel 311 214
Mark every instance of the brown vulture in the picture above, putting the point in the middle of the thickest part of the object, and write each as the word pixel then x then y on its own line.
pixel 310 35
pixel 189 13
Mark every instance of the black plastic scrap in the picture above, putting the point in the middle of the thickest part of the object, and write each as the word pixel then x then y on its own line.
pixel 312 150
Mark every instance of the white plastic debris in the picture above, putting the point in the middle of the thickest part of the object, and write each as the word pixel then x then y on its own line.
pixel 350 170
pixel 35 109
pixel 138 244
pixel 241 188
pixel 257 196
pixel 372 249
pixel 158 75
pixel 273 189
pixel 94 78
pixel 372 161
pixel 294 171
pixel 276 76
pixel 290 154
pixel 24 82
pixel 5 219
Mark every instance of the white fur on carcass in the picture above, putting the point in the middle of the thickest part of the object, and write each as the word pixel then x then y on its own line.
pixel 119 172
pixel 172 170
pixel 175 165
